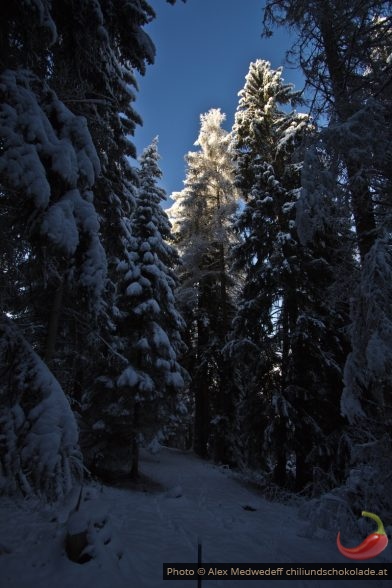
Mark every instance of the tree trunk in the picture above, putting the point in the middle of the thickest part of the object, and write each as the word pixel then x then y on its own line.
pixel 135 445
pixel 135 458
pixel 221 441
pixel 303 473
pixel 361 199
pixel 202 417
pixel 201 380
pixel 53 323
pixel 279 474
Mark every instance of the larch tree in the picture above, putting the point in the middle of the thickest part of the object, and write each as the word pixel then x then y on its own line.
pixel 202 232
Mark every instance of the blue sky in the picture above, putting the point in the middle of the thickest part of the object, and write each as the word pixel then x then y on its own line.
pixel 203 52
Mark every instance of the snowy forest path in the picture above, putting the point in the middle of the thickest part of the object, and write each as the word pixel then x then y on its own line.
pixel 186 499
pixel 205 501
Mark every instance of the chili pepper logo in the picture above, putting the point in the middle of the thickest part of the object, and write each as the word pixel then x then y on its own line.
pixel 372 546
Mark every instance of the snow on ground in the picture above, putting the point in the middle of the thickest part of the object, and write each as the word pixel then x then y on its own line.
pixel 136 531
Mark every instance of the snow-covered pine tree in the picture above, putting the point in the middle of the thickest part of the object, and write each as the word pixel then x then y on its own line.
pixel 145 401
pixel 264 248
pixel 345 39
pixel 49 225
pixel 368 372
pixel 350 71
pixel 92 66
pixel 66 187
pixel 38 432
pixel 201 213
pixel 282 319
pixel 102 44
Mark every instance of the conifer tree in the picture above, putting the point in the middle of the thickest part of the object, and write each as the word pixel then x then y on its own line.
pixel 144 396
pixel 49 225
pixel 66 186
pixel 349 71
pixel 102 44
pixel 201 213
pixel 280 320
pixel 266 245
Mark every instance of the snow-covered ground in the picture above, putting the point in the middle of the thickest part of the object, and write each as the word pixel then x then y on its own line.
pixel 137 530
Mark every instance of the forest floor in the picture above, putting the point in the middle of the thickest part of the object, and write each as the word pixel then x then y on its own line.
pixel 138 528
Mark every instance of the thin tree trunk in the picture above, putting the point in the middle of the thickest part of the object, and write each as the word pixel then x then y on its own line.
pixel 53 323
pixel 135 445
pixel 202 417
pixel 365 223
pixel 279 473
pixel 135 458
pixel 221 441
pixel 201 381
pixel 200 387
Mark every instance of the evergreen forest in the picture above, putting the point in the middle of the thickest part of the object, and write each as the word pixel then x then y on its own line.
pixel 245 319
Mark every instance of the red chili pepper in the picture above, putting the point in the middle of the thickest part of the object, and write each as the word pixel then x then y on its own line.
pixel 372 546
